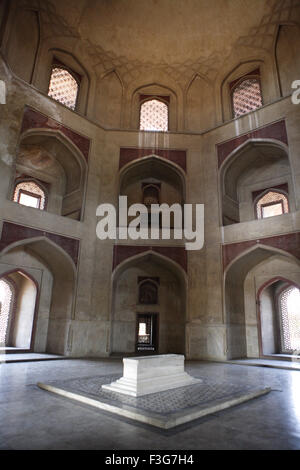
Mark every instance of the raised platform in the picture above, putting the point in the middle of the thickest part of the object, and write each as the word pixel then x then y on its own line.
pixel 164 410
pixel 151 374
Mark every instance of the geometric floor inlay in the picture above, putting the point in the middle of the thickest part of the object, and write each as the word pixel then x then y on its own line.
pixel 165 409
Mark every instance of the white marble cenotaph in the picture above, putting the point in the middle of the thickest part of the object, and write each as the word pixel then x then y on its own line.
pixel 150 374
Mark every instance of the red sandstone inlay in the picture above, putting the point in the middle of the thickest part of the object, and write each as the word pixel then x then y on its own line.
pixel 12 233
pixel 123 252
pixel 33 119
pixel 127 155
pixel 289 242
pixel 277 131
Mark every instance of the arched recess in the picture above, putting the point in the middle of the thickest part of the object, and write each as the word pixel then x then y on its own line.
pixel 257 164
pixel 270 332
pixel 23 42
pixel 287 58
pixel 54 52
pixel 200 105
pixel 170 309
pixel 55 274
pixel 236 297
pixel 155 170
pixel 53 159
pixel 21 318
pixel 154 91
pixel 242 70
pixel 108 102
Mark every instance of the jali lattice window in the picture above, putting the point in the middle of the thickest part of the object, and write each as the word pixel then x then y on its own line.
pixel 29 193
pixel 6 296
pixel 246 96
pixel 271 204
pixel 290 319
pixel 63 87
pixel 154 116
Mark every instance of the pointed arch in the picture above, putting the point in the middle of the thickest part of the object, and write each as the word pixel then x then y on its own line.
pixel 38 244
pixel 63 270
pixel 286 55
pixel 175 267
pixel 109 103
pixel 67 172
pixel 199 104
pixel 155 162
pixel 23 316
pixel 248 159
pixel 234 307
pixel 173 285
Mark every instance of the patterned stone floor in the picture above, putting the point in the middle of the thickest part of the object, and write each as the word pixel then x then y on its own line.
pixel 166 410
pixel 207 393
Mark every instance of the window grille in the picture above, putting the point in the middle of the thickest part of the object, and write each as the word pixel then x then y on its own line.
pixel 63 87
pixel 6 294
pixel 271 204
pixel 290 319
pixel 246 96
pixel 28 193
pixel 154 116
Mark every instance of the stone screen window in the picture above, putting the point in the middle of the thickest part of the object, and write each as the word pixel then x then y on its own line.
pixel 289 306
pixel 271 204
pixel 63 87
pixel 29 193
pixel 154 116
pixel 246 95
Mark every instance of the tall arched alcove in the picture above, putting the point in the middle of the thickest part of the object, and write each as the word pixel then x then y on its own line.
pixel 240 297
pixel 55 274
pixel 262 285
pixel 169 310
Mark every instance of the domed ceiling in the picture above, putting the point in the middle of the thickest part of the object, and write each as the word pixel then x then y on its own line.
pixel 178 37
pixel 163 31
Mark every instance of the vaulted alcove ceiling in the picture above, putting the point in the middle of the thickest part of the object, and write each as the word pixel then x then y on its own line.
pixel 179 37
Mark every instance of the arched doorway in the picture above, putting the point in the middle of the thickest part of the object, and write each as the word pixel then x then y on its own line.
pixel 252 328
pixel 279 317
pixel 54 274
pixel 18 297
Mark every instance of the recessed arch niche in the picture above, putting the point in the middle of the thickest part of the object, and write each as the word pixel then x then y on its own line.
pixel 287 57
pixel 156 172
pixel 255 165
pixel 243 277
pixel 158 92
pixel 23 42
pixel 54 160
pixel 200 105
pixel 108 105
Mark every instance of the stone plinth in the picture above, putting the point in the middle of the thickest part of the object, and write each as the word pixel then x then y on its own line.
pixel 151 374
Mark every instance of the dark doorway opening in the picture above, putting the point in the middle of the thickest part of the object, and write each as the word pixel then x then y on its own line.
pixel 147 333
